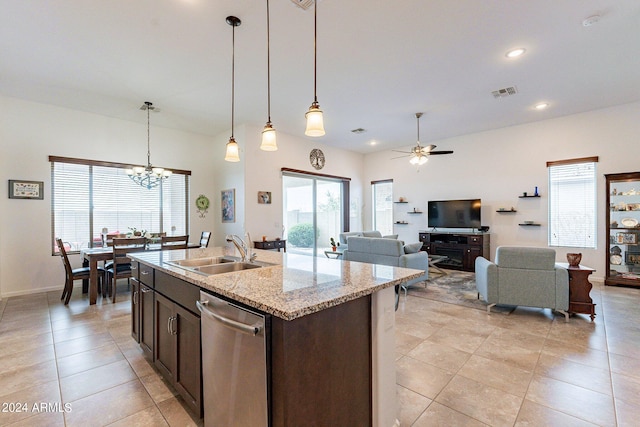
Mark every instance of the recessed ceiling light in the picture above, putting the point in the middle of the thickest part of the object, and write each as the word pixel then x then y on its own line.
pixel 514 53
pixel 372 142
pixel 541 105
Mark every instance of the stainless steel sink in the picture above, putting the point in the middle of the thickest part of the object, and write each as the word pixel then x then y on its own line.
pixel 216 265
pixel 199 262
pixel 226 268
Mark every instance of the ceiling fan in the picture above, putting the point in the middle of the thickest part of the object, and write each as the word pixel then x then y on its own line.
pixel 419 154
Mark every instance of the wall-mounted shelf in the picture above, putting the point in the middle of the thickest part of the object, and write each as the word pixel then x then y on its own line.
pixel 529 197
pixel 507 211
pixel 401 223
pixel 530 225
pixel 401 202
pixel 414 212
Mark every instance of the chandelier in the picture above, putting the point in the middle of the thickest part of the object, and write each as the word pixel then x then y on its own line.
pixel 149 176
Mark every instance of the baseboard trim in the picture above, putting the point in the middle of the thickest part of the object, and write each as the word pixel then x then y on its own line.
pixel 30 291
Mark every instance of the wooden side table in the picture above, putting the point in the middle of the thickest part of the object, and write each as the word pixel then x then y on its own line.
pixel 579 288
pixel 270 244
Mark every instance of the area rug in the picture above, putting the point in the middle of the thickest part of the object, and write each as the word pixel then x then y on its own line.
pixel 455 287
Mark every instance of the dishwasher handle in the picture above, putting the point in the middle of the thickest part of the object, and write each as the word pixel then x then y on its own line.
pixel 254 329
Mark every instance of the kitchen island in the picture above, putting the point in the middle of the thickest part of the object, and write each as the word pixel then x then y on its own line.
pixel 330 346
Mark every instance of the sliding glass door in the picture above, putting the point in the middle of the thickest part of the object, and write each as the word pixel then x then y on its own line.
pixel 313 212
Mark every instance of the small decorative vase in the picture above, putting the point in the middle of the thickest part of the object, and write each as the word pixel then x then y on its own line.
pixel 334 248
pixel 574 259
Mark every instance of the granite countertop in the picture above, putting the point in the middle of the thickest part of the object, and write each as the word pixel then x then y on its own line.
pixel 294 286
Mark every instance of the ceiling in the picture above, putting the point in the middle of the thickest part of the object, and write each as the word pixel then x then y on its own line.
pixel 379 62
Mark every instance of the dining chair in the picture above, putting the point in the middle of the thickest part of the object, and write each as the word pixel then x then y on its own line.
pixel 204 239
pixel 174 242
pixel 121 267
pixel 73 274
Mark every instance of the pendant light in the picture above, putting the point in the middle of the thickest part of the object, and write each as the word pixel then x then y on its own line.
pixel 232 153
pixel 149 176
pixel 268 133
pixel 315 121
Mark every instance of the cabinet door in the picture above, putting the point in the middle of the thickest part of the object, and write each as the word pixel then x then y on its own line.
pixel 165 342
pixel 188 380
pixel 145 304
pixel 470 255
pixel 135 309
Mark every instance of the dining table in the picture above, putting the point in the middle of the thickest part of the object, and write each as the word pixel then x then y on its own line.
pixel 92 256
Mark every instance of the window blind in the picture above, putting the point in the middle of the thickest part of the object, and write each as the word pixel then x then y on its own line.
pixel 572 204
pixel 89 197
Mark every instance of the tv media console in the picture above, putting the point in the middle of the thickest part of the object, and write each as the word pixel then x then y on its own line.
pixel 462 249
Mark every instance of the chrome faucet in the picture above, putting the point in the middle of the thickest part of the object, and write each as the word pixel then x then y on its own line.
pixel 242 246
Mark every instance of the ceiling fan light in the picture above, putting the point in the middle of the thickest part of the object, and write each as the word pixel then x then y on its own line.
pixel 414 160
pixel 268 138
pixel 233 152
pixel 422 160
pixel 315 121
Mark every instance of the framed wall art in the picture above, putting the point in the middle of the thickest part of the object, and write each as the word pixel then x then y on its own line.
pixel 264 197
pixel 228 205
pixel 26 189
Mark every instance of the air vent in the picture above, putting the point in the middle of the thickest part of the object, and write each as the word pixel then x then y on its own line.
pixel 503 93
pixel 304 4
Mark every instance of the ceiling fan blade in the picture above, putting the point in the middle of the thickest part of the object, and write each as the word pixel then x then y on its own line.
pixel 400 151
pixel 400 157
pixel 440 152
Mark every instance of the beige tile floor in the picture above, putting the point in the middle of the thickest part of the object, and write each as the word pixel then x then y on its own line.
pixel 77 365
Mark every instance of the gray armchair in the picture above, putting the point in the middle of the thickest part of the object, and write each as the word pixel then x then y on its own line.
pixel 523 276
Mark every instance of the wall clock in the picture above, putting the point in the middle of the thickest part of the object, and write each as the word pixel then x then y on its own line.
pixel 316 157
pixel 202 203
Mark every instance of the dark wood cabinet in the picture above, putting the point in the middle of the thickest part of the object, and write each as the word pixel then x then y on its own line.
pixel 164 351
pixel 177 352
pixel 271 244
pixel 135 309
pixel 145 305
pixel 623 229
pixel 461 249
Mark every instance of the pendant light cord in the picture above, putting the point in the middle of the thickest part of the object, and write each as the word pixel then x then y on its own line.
pixel 315 49
pixel 233 74
pixel 148 135
pixel 268 68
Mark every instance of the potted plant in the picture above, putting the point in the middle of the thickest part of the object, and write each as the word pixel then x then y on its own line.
pixel 334 244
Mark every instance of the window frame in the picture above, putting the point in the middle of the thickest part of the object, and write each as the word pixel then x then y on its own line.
pixel 91 164
pixel 373 204
pixel 588 182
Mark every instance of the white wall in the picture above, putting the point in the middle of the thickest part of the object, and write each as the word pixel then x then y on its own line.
pixel 498 166
pixel 261 171
pixel 29 133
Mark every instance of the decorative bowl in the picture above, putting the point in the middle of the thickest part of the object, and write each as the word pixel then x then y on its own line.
pixel 574 259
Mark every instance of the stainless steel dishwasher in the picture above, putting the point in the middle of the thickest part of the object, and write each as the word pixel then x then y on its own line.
pixel 234 364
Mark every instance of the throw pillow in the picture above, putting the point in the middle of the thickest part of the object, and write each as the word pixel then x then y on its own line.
pixel 412 248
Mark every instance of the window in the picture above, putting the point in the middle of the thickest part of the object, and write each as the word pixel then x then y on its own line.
pixel 572 203
pixel 88 196
pixel 382 204
pixel 314 209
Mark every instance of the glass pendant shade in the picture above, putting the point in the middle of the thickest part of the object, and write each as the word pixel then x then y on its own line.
pixel 268 138
pixel 418 160
pixel 232 154
pixel 315 121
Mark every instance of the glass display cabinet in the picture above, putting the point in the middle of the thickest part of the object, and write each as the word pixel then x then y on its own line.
pixel 623 229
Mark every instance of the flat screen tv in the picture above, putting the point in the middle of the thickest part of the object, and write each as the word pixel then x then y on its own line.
pixel 454 213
